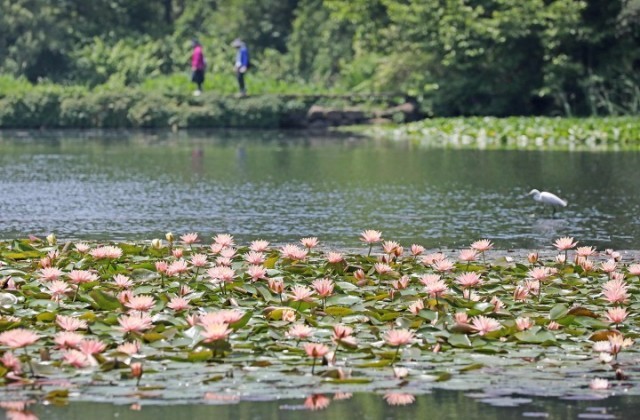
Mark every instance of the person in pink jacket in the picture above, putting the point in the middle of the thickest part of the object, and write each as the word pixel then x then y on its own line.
pixel 198 66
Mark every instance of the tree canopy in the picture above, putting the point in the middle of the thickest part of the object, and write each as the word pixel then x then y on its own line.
pixel 458 57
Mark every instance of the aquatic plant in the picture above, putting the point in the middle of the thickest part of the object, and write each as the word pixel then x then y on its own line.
pixel 226 315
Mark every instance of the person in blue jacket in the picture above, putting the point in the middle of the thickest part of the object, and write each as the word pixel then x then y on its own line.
pixel 242 63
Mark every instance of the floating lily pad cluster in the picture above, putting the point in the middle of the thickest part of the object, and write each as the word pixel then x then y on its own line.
pixel 124 322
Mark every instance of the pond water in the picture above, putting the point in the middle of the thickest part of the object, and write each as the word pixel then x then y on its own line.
pixel 447 404
pixel 282 187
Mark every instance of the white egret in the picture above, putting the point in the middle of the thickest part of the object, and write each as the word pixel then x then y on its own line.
pixel 548 198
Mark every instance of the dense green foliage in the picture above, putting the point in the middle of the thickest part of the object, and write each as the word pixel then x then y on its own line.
pixel 59 107
pixel 519 132
pixel 458 57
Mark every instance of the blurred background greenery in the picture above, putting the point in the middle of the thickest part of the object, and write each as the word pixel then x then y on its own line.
pixel 455 57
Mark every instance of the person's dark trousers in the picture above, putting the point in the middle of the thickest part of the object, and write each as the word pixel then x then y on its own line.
pixel 241 82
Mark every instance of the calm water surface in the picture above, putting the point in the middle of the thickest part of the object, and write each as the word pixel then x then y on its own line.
pixel 445 405
pixel 282 187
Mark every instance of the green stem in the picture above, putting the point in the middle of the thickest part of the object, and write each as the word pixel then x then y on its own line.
pixel 29 363
pixel 395 356
pixel 313 367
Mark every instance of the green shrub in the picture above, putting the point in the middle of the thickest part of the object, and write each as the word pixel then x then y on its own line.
pixel 151 111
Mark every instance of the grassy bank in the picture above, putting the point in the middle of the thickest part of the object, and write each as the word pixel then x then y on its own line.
pixel 167 102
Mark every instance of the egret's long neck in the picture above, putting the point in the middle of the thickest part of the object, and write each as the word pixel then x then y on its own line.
pixel 536 196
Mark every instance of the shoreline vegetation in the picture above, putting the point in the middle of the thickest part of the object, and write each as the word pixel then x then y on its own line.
pixel 122 322
pixel 514 132
pixel 49 106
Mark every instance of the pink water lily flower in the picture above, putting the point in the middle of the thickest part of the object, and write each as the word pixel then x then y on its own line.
pixel 398 337
pixel 224 261
pixel 609 266
pixel 69 323
pixel 18 337
pixel 259 246
pixel 524 323
pixel 50 274
pixel 82 276
pixel 224 239
pixel 137 322
pixel 228 252
pixel 616 315
pixel 189 238
pixel 75 358
pixel 443 265
pixel 323 287
pixel 417 250
pixel 427 279
pixel 130 348
pixel 634 269
pixel 416 307
pixel 335 257
pixel 310 243
pixel 226 316
pixel 585 251
pixel 161 266
pixel 299 332
pixel 221 274
pixel 615 291
pixel 276 285
pixel 82 247
pixel 257 272
pixel 371 236
pixel 122 281
pixel 484 325
pixel 402 283
pixel 177 252
pixel 431 259
pixel 255 258
pixel 106 252
pixel 389 247
pixel 91 347
pixel 315 350
pixel 140 303
pixel 58 289
pixel 301 293
pixel 293 252
pixel 67 339
pixel 216 332
pixel 461 318
pixel 199 260
pixel 11 362
pixel 565 243
pixel 382 268
pixel 468 255
pixel 177 267
pixel 469 279
pixel 178 304
pixel 539 273
pixel 436 288
pixel 482 245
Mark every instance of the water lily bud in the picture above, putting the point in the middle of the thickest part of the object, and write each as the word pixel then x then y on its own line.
pixel 136 369
pixel 51 239
pixel 156 243
pixel 533 257
pixel 169 237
